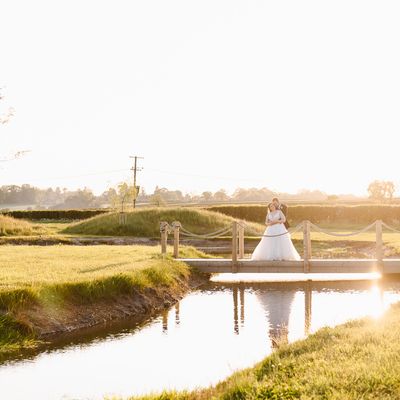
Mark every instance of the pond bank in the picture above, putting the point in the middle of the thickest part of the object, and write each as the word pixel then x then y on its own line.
pixel 81 288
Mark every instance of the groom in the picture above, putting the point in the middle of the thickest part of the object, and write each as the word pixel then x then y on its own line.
pixel 283 208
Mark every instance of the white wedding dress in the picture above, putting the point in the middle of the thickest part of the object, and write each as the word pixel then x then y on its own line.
pixel 278 247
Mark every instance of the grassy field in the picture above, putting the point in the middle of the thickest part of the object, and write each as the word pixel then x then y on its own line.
pixel 145 223
pixel 357 360
pixel 333 213
pixel 325 245
pixel 35 266
pixel 49 277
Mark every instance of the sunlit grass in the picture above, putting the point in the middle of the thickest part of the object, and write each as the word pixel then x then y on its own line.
pixel 35 266
pixel 10 226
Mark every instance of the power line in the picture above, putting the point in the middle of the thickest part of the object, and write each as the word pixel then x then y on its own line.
pixel 80 175
pixel 204 176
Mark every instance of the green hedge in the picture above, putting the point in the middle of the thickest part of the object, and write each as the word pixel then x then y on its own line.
pixel 361 214
pixel 54 214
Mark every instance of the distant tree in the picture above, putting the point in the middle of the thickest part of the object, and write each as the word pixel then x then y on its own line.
pixel 157 200
pixel 221 195
pixel 390 188
pixel 80 199
pixel 381 190
pixel 253 194
pixel 206 196
pixel 171 196
pixel 333 197
pixel 313 195
pixel 106 198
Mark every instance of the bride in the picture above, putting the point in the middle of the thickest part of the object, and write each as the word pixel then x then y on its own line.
pixel 273 247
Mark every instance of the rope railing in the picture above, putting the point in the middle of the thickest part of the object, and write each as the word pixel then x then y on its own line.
pixel 390 227
pixel 327 232
pixel 238 229
pixel 177 229
pixel 256 234
pixel 211 235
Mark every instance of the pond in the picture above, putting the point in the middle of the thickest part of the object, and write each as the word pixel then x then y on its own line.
pixel 212 332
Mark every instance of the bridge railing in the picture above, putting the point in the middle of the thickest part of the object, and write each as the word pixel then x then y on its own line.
pixel 239 228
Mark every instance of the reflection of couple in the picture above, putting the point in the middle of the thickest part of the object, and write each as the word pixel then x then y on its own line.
pixel 276 243
pixel 277 305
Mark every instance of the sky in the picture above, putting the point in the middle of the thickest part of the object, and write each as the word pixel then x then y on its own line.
pixel 287 95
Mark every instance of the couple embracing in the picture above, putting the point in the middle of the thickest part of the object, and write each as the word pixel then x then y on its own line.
pixel 276 243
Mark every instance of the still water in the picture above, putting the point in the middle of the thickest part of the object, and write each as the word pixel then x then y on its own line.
pixel 212 332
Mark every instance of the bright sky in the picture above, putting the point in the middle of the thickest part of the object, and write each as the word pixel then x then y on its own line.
pixel 213 93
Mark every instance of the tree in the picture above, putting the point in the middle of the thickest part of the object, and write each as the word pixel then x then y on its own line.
pixel 6 115
pixel 157 200
pixel 221 195
pixel 206 196
pixel 80 199
pixel 381 190
pixel 389 189
pixel 332 197
pixel 122 197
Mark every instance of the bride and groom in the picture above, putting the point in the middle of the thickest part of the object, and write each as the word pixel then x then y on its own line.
pixel 276 243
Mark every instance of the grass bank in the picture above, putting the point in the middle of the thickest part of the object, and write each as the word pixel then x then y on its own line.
pixel 357 360
pixel 146 222
pixel 10 226
pixel 49 290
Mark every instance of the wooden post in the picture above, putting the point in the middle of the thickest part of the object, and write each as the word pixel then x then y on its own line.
pixel 379 245
pixel 164 236
pixel 176 226
pixel 234 246
pixel 241 240
pixel 306 246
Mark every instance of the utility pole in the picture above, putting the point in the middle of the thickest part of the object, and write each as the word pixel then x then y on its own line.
pixel 135 188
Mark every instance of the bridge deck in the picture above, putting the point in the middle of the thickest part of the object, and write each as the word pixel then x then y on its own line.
pixel 220 265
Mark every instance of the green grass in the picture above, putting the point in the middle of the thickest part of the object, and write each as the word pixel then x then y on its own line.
pixel 55 277
pixel 10 226
pixel 357 360
pixel 146 222
pixel 33 267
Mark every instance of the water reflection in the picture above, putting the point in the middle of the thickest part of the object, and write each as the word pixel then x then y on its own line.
pixel 165 317
pixel 199 341
pixel 177 320
pixel 277 305
pixel 307 308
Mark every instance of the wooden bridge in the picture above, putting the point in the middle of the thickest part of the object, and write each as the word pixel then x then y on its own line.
pixel 238 264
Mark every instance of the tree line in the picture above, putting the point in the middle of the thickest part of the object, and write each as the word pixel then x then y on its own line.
pixel 122 196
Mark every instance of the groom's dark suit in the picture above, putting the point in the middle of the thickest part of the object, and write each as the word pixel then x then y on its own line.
pixel 284 209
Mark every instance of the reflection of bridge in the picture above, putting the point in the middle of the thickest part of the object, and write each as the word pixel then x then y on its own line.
pixel 276 303
pixel 237 263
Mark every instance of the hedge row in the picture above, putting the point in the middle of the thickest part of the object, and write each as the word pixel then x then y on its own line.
pixel 54 214
pixel 362 214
